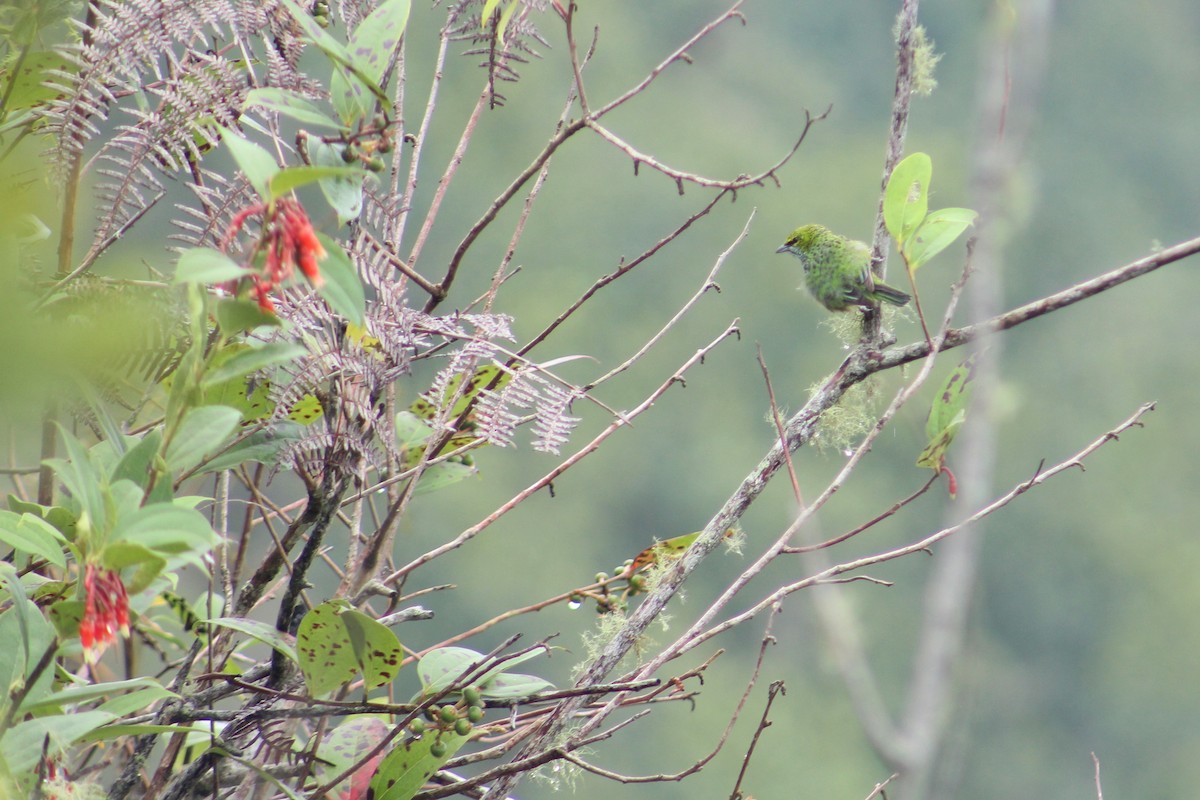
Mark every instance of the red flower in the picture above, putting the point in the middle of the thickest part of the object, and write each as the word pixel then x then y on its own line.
pixel 105 611
pixel 287 241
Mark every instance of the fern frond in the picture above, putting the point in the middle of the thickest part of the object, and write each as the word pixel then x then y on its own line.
pixel 126 47
pixel 506 39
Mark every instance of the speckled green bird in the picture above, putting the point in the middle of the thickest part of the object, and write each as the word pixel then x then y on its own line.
pixel 837 270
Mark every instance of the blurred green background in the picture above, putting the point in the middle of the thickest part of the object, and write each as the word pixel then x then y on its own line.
pixel 1084 636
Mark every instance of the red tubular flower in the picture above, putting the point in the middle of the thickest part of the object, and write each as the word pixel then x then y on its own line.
pixel 261 288
pixel 307 247
pixel 105 611
pixel 287 241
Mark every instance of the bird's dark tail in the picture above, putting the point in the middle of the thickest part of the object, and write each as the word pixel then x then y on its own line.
pixel 893 296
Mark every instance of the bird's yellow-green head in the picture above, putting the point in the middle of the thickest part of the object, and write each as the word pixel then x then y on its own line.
pixel 837 270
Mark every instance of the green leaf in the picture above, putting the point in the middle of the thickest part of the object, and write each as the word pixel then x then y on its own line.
pixel 257 630
pixel 342 287
pixel 511 686
pixel 306 410
pixel 376 38
pixel 411 430
pixel 324 648
pixel 937 232
pixel 252 359
pixel 236 316
pixel 376 648
pixel 256 163
pixel 344 193
pixel 343 61
pixel 65 616
pixel 124 554
pixel 261 446
pixel 486 13
pixel 23 744
pixel 250 397
pixel 446 473
pixel 906 198
pixel 439 669
pixel 27 88
pixel 206 266
pixel 407 767
pixel 355 90
pixel 136 464
pixel 82 479
pixel 73 695
pixel 289 104
pixel 166 528
pixel 294 177
pixel 506 17
pixel 117 731
pixel 345 746
pixel 947 415
pixel 30 535
pixel 334 643
pixel 427 407
pixel 26 635
pixel 202 432
pixel 323 40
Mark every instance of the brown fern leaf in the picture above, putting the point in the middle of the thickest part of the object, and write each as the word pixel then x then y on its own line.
pixel 504 49
pixel 125 48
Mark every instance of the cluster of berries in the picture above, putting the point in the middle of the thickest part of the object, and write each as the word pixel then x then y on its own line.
pixel 106 609
pixel 287 241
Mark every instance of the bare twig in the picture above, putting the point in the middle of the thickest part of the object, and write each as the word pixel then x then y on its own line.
pixel 906 22
pixel 777 688
pixel 579 455
pixel 879 787
pixel 1041 476
pixel 710 282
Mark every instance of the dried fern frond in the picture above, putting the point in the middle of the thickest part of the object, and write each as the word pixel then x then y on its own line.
pixel 126 47
pixel 220 199
pixel 165 139
pixel 528 389
pixel 506 39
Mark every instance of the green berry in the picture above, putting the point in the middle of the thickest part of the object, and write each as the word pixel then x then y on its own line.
pixel 437 749
pixel 475 713
pixel 448 713
pixel 462 727
pixel 472 697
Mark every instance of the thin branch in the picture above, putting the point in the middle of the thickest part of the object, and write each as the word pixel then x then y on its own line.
pixel 827 575
pixel 906 22
pixel 777 688
pixel 680 54
pixel 879 787
pixel 710 282
pixel 617 273
pixel 579 455
pixel 778 421
pixel 956 337
pixel 476 229
pixel 899 504
pixel 680 177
